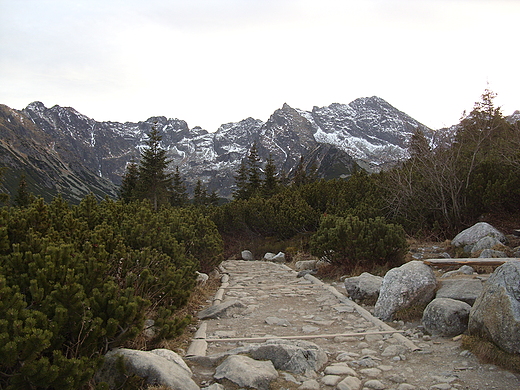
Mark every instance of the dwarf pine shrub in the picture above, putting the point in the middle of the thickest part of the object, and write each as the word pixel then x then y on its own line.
pixel 352 241
pixel 76 281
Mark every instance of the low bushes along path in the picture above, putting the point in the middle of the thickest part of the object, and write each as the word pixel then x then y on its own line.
pixel 278 304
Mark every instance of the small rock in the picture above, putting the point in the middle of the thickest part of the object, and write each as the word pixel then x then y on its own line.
pixel 277 321
pixel 279 257
pixel 365 362
pixel 371 372
pixel 397 378
pixel 375 384
pixel 301 274
pixel 339 369
pixel 305 265
pixel 394 350
pixel 373 337
pixel 368 352
pixel 309 329
pixel 311 384
pixel 215 386
pixel 406 386
pixel 289 378
pixel 464 270
pixel 247 255
pixel 347 356
pixel 330 380
pixel 224 309
pixel 349 383
pixel 441 386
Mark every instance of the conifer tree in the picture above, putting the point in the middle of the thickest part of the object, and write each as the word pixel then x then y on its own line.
pixel 241 183
pixel 23 197
pixel 270 182
pixel 254 179
pixel 200 194
pixel 128 189
pixel 179 194
pixel 300 176
pixel 154 182
pixel 213 199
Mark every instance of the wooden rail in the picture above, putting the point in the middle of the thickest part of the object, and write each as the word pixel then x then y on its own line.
pixel 469 261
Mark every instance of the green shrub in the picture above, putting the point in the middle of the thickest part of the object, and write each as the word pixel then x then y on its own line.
pixel 282 216
pixel 76 281
pixel 351 241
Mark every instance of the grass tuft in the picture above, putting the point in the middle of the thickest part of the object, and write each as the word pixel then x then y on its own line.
pixel 489 353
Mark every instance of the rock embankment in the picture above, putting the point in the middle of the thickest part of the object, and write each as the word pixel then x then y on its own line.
pixel 277 331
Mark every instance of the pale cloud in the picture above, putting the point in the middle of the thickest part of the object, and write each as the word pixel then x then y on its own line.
pixel 211 62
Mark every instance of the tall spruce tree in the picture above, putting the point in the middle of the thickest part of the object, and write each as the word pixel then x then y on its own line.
pixel 154 181
pixel 300 175
pixel 23 197
pixel 254 179
pixel 200 194
pixel 241 191
pixel 270 183
pixel 128 189
pixel 213 199
pixel 179 194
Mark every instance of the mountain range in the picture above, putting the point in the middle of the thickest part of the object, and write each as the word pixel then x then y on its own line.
pixel 63 151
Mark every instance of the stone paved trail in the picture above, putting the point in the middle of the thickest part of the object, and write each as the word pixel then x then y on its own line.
pixel 277 303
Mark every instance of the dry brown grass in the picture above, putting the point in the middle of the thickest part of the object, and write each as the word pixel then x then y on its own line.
pixel 197 302
pixel 489 353
pixel 410 314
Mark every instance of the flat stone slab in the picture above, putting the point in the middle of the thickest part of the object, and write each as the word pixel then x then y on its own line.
pixel 221 310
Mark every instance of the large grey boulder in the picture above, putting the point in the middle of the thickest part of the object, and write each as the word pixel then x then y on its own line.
pixel 446 317
pixel 222 310
pixel 296 356
pixel 364 287
pixel 173 357
pixel 247 372
pixel 465 290
pixel 492 254
pixel 247 255
pixel 495 316
pixel 470 236
pixel 160 367
pixel 411 284
pixel 487 242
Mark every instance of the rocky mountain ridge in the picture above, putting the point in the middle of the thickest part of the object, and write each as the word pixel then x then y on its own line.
pixel 368 132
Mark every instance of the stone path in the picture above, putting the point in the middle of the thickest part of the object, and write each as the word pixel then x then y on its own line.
pixel 264 300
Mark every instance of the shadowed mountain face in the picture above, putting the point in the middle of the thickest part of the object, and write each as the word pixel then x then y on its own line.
pixel 63 151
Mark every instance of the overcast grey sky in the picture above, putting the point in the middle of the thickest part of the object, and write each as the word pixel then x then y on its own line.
pixel 211 62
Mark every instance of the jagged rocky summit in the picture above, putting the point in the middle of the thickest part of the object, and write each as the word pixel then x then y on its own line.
pixel 368 132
